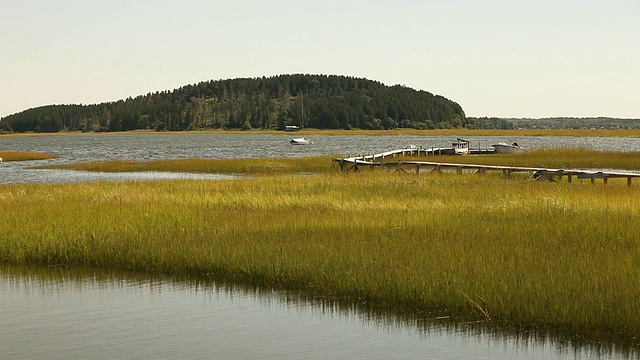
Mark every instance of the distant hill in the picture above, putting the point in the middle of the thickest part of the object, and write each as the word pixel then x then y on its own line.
pixel 329 102
pixel 557 123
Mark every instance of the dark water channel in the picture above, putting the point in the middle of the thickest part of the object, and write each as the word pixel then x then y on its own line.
pixel 61 313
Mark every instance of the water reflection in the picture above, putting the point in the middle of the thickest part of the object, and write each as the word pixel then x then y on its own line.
pixel 24 174
pixel 60 312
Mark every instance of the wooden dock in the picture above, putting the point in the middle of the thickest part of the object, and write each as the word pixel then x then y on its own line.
pixel 356 163
pixel 415 151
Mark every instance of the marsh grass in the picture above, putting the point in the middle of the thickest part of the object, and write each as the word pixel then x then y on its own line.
pixel 461 132
pixel 23 156
pixel 480 132
pixel 260 166
pixel 541 256
pixel 551 158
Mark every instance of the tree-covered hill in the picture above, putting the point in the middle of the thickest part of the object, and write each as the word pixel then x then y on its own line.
pixel 327 102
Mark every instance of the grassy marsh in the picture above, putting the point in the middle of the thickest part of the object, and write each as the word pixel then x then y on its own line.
pixel 23 156
pixel 438 132
pixel 481 132
pixel 434 132
pixel 549 256
pixel 554 158
pixel 269 166
pixel 551 158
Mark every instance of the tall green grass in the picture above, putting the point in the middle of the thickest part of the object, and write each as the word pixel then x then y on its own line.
pixel 552 256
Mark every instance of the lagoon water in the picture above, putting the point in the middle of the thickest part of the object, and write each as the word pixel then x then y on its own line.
pixel 98 147
pixel 60 313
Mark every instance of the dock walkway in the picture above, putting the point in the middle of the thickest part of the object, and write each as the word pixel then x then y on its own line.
pixel 355 163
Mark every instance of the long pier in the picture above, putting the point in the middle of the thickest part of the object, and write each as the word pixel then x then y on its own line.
pixel 355 163
pixel 415 151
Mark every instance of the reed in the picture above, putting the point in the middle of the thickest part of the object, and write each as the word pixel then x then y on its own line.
pixel 553 256
pixel 268 166
pixel 23 156
pixel 548 158
pixel 551 158
pixel 461 132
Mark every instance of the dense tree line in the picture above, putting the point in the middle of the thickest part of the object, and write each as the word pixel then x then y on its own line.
pixel 327 102
pixel 556 123
pixel 494 123
pixel 575 123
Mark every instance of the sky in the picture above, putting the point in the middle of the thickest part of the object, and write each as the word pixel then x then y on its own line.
pixel 502 58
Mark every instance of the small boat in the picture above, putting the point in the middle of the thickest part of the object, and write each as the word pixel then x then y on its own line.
pixel 504 148
pixel 460 147
pixel 300 141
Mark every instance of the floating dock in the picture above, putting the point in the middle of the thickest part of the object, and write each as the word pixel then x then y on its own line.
pixel 356 163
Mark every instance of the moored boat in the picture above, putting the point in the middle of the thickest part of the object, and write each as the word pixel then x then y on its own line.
pixel 460 147
pixel 299 141
pixel 505 148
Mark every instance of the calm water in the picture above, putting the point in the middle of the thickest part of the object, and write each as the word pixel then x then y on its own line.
pixel 92 147
pixel 58 313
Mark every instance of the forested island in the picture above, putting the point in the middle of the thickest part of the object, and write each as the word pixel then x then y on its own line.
pixel 327 102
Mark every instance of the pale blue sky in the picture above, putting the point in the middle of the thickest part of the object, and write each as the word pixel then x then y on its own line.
pixel 505 58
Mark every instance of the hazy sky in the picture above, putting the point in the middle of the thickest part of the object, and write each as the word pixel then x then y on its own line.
pixel 505 58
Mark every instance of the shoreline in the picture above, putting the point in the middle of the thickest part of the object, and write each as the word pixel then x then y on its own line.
pixel 442 132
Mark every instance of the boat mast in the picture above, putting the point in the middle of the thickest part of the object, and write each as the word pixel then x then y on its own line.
pixel 302 113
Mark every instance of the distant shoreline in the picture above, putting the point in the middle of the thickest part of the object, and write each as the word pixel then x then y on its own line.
pixel 355 132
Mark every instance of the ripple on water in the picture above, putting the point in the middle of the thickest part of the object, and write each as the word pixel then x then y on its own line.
pixel 147 147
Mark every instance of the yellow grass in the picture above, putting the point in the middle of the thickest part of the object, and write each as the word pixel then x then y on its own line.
pixel 477 132
pixel 548 158
pixel 552 158
pixel 265 166
pixel 548 256
pixel 439 132
pixel 23 156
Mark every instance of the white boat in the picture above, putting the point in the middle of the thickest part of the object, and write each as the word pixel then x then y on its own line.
pixel 460 147
pixel 504 148
pixel 300 141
